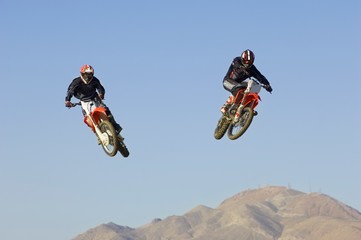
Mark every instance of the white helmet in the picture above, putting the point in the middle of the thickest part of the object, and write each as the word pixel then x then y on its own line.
pixel 86 73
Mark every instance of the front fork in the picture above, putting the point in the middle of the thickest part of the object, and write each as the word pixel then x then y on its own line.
pixel 237 115
pixel 240 108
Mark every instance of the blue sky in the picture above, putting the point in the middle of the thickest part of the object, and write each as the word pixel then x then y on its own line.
pixel 162 64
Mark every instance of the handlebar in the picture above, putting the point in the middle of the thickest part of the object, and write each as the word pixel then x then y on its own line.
pixel 79 103
pixel 74 104
pixel 255 80
pixel 261 84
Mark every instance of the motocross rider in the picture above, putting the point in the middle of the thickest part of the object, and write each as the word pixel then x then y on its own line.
pixel 87 87
pixel 241 68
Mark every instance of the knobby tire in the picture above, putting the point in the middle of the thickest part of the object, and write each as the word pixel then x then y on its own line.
pixel 122 148
pixel 244 122
pixel 221 128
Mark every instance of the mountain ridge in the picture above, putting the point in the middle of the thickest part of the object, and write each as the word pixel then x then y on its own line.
pixel 267 213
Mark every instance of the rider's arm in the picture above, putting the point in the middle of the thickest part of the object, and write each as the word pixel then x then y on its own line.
pixel 100 88
pixel 255 73
pixel 262 79
pixel 71 90
pixel 230 73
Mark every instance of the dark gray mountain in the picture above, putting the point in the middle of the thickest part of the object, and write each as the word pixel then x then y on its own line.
pixel 270 213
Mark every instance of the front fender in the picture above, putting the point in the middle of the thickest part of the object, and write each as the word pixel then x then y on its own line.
pixel 252 99
pixel 99 113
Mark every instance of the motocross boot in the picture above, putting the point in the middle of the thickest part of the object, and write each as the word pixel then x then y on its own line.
pixel 228 103
pixel 116 126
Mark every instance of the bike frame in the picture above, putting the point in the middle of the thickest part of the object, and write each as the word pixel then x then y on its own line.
pixel 248 96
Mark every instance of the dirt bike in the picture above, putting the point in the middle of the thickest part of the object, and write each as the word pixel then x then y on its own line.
pixel 96 117
pixel 240 114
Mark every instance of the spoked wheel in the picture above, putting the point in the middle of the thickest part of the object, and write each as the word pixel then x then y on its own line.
pixel 121 147
pixel 110 142
pixel 238 129
pixel 221 128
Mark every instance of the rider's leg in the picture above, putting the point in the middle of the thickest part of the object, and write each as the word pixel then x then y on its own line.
pixel 89 123
pixel 228 103
pixel 230 85
pixel 116 126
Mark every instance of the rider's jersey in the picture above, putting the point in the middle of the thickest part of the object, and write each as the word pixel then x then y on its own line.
pixel 237 72
pixel 82 91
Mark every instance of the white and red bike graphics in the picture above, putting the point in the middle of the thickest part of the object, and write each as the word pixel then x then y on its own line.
pixel 96 117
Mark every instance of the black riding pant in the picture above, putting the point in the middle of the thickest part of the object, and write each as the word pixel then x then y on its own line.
pixel 232 86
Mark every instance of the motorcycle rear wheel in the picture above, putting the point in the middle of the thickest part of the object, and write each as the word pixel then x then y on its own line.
pixel 221 128
pixel 238 129
pixel 122 148
pixel 112 147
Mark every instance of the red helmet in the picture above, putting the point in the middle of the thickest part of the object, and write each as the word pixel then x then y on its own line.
pixel 86 73
pixel 247 58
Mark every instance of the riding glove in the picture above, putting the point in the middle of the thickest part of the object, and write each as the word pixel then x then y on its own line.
pixel 268 88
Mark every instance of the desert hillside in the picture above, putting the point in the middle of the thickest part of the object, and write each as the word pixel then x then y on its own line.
pixel 270 213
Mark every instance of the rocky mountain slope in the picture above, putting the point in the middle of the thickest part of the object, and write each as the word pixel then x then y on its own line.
pixel 270 213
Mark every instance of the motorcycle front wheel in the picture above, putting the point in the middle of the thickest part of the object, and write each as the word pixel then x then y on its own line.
pixel 221 128
pixel 110 145
pixel 237 129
